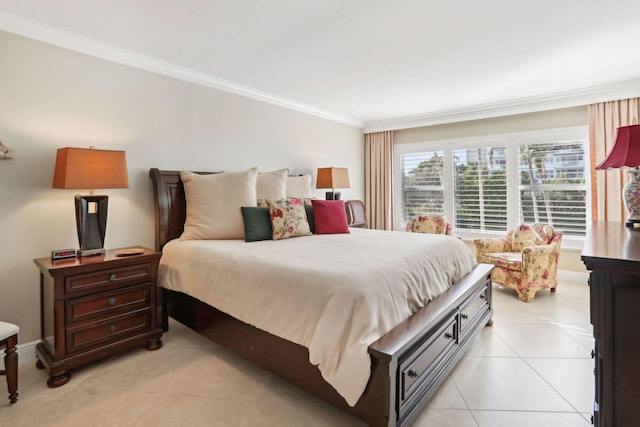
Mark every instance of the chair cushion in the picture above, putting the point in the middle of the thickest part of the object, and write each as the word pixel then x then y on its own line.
pixel 8 329
pixel 508 260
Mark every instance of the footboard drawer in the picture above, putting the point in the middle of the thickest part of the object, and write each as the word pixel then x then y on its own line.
pixel 473 309
pixel 420 370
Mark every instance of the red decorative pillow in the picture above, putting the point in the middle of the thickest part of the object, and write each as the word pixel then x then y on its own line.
pixel 330 216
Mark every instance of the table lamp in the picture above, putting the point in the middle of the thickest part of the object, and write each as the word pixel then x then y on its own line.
pixel 332 178
pixel 82 168
pixel 626 152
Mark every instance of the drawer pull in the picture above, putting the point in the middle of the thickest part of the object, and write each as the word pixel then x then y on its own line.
pixel 412 374
pixel 593 354
pixel 113 277
pixel 112 328
pixel 448 336
pixel 464 316
pixel 111 301
pixel 483 296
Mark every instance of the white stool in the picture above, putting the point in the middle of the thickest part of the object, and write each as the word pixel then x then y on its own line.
pixel 9 340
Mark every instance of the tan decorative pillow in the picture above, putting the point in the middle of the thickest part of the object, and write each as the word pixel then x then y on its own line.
pixel 524 236
pixel 272 185
pixel 299 186
pixel 214 201
pixel 288 218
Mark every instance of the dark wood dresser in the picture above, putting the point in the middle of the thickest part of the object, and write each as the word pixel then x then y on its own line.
pixel 612 253
pixel 94 307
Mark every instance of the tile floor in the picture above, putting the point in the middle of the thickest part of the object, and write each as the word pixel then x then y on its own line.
pixel 531 368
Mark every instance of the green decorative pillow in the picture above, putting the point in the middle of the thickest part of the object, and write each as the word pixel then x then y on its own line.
pixel 288 218
pixel 308 207
pixel 257 223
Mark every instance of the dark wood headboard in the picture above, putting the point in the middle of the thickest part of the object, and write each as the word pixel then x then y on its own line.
pixel 170 205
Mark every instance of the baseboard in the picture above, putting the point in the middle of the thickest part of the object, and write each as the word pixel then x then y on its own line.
pixel 26 353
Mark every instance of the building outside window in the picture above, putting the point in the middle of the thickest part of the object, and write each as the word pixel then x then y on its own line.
pixel 487 185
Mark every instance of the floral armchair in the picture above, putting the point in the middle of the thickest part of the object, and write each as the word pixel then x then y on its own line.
pixel 432 224
pixel 525 260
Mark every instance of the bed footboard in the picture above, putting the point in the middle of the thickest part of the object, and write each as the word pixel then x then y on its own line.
pixel 408 364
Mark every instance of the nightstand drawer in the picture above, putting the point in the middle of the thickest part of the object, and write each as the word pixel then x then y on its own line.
pixel 108 303
pixel 91 283
pixel 96 334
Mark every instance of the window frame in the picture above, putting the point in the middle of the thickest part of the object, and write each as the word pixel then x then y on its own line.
pixel 511 141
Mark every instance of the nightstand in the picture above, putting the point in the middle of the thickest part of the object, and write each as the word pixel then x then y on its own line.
pixel 94 307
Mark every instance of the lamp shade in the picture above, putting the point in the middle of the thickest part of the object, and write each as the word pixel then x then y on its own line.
pixel 626 149
pixel 332 178
pixel 90 169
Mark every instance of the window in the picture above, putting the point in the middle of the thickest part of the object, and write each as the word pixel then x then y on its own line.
pixel 488 185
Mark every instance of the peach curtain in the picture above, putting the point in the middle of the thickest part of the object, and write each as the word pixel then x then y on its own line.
pixel 606 186
pixel 379 179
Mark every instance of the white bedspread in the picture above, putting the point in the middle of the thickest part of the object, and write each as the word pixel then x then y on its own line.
pixel 334 294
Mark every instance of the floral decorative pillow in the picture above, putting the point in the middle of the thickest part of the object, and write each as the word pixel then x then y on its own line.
pixel 288 218
pixel 524 236
pixel 264 203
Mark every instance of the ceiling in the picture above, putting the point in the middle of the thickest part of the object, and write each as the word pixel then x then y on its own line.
pixel 363 62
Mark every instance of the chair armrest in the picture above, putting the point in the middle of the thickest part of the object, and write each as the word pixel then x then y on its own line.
pixel 546 255
pixel 538 250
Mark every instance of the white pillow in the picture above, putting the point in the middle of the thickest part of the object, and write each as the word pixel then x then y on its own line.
pixel 299 186
pixel 272 185
pixel 214 201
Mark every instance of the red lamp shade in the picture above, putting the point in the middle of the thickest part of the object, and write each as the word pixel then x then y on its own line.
pixel 626 149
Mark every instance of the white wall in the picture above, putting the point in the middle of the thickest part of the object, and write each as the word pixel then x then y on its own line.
pixel 52 98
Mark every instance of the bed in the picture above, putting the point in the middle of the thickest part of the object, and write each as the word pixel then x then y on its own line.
pixel 407 363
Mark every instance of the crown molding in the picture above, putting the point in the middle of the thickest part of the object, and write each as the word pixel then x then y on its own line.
pixel 610 92
pixel 54 36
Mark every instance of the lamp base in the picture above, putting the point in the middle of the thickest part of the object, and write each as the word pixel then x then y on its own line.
pixel 332 195
pixel 91 222
pixel 90 252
